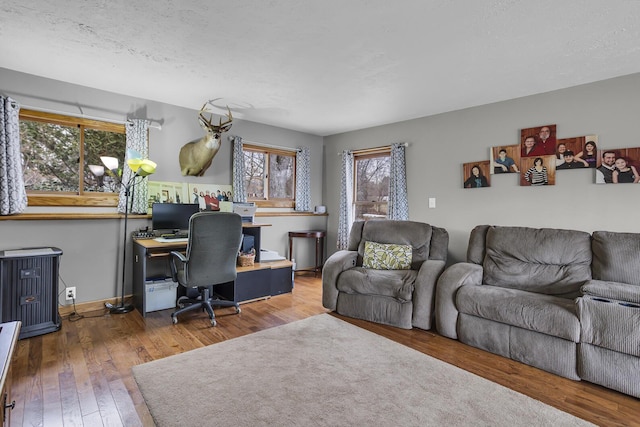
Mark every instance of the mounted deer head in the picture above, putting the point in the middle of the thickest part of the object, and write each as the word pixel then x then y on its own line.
pixel 196 156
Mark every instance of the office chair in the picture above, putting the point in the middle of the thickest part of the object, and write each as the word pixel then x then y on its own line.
pixel 212 249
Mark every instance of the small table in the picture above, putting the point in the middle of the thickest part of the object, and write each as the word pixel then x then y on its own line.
pixel 319 235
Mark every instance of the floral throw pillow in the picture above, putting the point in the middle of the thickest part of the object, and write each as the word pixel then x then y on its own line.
pixel 386 256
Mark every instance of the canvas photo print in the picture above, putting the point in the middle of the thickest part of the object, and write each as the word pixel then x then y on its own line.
pixel 538 141
pixel 211 197
pixel 618 166
pixel 538 171
pixel 167 192
pixel 505 159
pixel 577 153
pixel 476 174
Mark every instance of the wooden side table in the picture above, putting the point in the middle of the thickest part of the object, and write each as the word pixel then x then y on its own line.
pixel 319 235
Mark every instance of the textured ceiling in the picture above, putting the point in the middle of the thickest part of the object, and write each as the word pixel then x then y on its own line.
pixel 324 66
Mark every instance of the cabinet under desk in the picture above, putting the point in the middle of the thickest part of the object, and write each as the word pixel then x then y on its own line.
pixel 259 281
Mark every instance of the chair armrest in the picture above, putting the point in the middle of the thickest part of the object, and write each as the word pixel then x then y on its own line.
pixel 424 293
pixel 333 267
pixel 612 290
pixel 457 275
pixel 174 269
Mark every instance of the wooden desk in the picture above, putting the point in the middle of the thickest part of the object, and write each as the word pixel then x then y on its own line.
pixel 262 280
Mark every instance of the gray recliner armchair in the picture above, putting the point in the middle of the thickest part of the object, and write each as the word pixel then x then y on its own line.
pixel 212 250
pixel 398 297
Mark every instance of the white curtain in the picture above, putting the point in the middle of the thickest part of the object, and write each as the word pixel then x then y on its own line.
pixel 239 190
pixel 345 218
pixel 398 200
pixel 13 196
pixel 137 139
pixel 303 179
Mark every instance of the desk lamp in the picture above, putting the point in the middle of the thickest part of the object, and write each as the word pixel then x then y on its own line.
pixel 140 168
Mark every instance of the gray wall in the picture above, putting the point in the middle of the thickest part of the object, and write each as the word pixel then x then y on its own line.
pixel 92 247
pixel 440 144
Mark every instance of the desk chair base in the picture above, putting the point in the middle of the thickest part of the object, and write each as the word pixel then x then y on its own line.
pixel 204 302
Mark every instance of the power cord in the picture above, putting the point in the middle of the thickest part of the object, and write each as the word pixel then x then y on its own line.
pixel 74 316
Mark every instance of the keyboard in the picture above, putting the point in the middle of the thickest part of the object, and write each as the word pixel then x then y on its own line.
pixel 172 240
pixel 175 236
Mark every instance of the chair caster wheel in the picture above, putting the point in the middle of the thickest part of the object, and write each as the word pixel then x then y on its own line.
pixel 213 322
pixel 238 311
pixel 174 320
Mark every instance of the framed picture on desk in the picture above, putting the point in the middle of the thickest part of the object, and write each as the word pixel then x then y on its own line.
pixel 167 192
pixel 216 197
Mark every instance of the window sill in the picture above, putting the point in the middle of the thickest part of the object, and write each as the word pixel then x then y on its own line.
pixel 274 203
pixel 94 200
pixel 83 216
pixel 57 216
pixel 265 214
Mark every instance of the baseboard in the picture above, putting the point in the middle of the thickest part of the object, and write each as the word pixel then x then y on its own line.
pixel 65 310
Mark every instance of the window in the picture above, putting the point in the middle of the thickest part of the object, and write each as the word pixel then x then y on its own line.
pixel 56 153
pixel 270 176
pixel 371 182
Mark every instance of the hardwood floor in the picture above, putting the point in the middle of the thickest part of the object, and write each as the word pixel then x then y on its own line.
pixel 81 375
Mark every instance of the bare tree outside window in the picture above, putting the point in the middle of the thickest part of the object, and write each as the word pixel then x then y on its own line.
pixel 371 186
pixel 270 175
pixel 281 184
pixel 254 167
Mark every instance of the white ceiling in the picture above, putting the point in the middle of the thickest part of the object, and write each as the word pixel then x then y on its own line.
pixel 324 66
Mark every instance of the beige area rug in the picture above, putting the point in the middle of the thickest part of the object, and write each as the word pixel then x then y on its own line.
pixel 323 371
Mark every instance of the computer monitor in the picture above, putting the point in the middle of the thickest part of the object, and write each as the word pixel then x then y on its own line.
pixel 172 217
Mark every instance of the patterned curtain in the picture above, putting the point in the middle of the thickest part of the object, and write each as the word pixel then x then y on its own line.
pixel 345 218
pixel 13 196
pixel 398 200
pixel 303 179
pixel 239 190
pixel 137 139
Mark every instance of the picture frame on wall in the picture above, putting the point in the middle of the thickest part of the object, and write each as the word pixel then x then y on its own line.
pixel 618 166
pixel 505 159
pixel 577 153
pixel 538 141
pixel 538 171
pixel 476 174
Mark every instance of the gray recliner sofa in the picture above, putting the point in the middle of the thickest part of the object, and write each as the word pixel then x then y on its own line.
pixel 564 301
pixel 515 295
pixel 399 297
pixel 609 313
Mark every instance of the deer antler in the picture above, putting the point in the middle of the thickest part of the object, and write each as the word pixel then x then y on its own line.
pixel 222 126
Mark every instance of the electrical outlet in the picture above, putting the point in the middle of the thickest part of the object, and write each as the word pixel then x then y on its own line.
pixel 71 293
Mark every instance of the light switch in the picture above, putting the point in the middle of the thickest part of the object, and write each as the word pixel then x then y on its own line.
pixel 432 202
